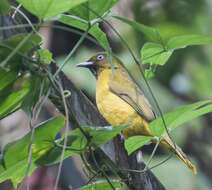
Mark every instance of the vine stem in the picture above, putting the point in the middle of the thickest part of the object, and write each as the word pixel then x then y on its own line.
pixel 66 131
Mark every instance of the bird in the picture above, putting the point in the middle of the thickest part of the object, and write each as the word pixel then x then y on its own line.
pixel 121 101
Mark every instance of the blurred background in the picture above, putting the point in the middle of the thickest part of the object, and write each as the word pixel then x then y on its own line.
pixel 185 79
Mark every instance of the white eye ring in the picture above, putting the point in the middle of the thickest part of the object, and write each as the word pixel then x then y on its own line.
pixel 100 57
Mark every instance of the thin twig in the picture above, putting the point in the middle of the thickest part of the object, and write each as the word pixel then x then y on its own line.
pixel 25 17
pixel 15 50
pixel 72 51
pixel 102 171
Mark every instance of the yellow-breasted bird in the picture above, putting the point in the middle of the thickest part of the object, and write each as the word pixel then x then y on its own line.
pixel 120 101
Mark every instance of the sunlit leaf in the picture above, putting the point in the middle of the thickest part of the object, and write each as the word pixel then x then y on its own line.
pixel 188 40
pixel 151 33
pixel 45 56
pixel 154 54
pixel 149 72
pixel 179 116
pixel 13 101
pixel 172 119
pixel 16 154
pixel 92 9
pixel 49 8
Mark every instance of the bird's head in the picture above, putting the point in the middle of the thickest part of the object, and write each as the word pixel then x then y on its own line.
pixel 98 62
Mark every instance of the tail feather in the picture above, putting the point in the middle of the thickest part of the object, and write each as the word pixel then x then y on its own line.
pixel 167 143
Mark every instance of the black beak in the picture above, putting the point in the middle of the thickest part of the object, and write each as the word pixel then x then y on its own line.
pixel 90 65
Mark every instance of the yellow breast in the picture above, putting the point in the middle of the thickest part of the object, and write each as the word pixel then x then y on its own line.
pixel 115 110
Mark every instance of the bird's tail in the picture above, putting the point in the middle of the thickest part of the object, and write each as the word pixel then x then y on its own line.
pixel 167 143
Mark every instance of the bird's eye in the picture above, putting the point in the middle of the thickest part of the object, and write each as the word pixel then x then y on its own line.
pixel 100 57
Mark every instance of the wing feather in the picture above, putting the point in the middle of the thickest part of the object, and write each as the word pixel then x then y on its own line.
pixel 123 86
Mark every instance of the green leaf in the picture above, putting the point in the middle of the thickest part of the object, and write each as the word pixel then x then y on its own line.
pixel 154 53
pixel 92 9
pixel 151 33
pixel 34 94
pixel 4 7
pixel 75 143
pixel 77 140
pixel 169 30
pixel 12 42
pixel 149 72
pixel 45 135
pixel 6 78
pixel 45 56
pixel 16 153
pixel 172 119
pixel 100 37
pixel 133 143
pixel 13 101
pixel 53 156
pixel 7 46
pixel 179 116
pixel 95 31
pixel 101 135
pixel 49 8
pixel 187 40
pixel 16 173
pixel 100 185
